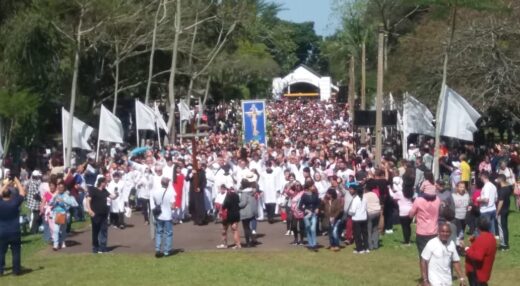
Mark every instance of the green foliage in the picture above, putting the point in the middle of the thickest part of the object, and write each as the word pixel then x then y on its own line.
pixel 17 106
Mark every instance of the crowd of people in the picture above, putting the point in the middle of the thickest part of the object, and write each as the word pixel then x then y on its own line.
pixel 316 175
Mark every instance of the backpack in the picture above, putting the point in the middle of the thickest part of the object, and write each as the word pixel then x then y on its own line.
pixel 295 206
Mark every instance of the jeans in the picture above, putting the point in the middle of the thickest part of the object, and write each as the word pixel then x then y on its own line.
pixel 99 232
pixel 79 212
pixel 163 235
pixel 59 233
pixel 373 231
pixel 270 208
pixel 310 228
pixel 360 234
pixel 253 224
pixel 492 217
pixel 334 232
pixel 35 221
pixel 406 227
pixel 503 229
pixel 15 242
pixel 47 236
pixel 144 204
pixel 461 226
pixel 246 225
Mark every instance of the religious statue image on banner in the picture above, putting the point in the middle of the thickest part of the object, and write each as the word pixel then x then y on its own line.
pixel 254 121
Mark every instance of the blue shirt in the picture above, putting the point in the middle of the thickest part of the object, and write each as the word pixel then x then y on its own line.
pixel 10 216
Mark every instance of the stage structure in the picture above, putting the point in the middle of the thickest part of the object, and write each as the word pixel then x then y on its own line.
pixel 303 82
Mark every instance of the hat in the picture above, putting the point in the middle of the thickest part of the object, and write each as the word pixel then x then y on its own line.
pixel 36 173
pixel 250 177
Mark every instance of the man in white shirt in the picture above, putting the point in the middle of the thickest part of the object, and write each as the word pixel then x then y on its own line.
pixel 488 199
pixel 117 206
pixel 162 201
pixel 437 258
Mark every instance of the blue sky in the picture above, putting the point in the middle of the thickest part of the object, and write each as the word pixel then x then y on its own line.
pixel 317 11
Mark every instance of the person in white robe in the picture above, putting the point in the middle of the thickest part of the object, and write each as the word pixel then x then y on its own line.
pixel 117 206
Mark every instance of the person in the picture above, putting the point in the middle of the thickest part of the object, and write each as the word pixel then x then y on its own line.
pixel 437 258
pixel 162 202
pixel 248 209
pixel 97 207
pixel 13 194
pixel 309 204
pixel 461 200
pixel 487 200
pixel 230 217
pixel 117 206
pixel 144 186
pixel 480 255
pixel 60 205
pixel 296 215
pixel 465 170
pixel 358 211
pixel 196 206
pixel 426 211
pixel 403 194
pixel 33 200
pixel 178 186
pixel 46 209
pixel 504 201
pixel 269 185
pixel 333 212
pixel 374 213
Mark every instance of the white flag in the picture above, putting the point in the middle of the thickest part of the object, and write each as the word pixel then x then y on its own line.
pixel 417 119
pixel 159 120
pixel 110 127
pixel 458 116
pixel 80 131
pixel 144 117
pixel 184 110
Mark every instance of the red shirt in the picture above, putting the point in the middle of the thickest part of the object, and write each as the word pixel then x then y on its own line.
pixel 481 255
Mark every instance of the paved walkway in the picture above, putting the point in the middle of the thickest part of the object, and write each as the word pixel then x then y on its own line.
pixel 136 237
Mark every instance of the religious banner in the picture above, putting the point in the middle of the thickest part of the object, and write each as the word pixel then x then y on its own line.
pixel 254 121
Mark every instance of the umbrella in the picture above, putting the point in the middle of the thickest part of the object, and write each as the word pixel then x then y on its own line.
pixel 139 151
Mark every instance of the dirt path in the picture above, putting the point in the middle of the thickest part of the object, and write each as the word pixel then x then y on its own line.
pixel 188 237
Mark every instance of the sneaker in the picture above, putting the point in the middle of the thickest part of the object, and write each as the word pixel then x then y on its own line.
pixel 158 254
pixel 63 245
pixel 288 233
pixel 222 246
pixel 295 243
pixel 389 231
pixel 367 251
pixel 253 232
pixel 300 243
pixel 357 252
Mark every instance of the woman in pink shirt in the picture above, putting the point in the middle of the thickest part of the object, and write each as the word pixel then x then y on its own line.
pixel 404 201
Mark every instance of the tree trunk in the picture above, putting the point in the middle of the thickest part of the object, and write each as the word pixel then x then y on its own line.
pixel 439 122
pixel 363 87
pixel 379 96
pixel 73 92
pixel 116 85
pixel 152 54
pixel 352 86
pixel 190 59
pixel 171 82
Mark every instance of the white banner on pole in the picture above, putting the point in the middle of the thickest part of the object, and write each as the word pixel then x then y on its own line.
pixel 110 127
pixel 417 119
pixel 184 110
pixel 458 116
pixel 80 131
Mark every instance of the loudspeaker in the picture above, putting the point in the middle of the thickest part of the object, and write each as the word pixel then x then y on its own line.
pixel 368 117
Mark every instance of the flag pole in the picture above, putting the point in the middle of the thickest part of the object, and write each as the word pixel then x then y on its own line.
pixel 157 127
pixel 97 150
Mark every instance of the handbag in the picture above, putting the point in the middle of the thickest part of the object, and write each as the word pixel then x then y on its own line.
pixel 157 209
pixel 60 218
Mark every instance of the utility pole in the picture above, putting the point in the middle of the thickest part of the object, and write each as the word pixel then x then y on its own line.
pixel 352 87
pixel 379 95
pixel 363 87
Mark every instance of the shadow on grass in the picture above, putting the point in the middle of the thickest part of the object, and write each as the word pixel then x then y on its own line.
pixel 24 271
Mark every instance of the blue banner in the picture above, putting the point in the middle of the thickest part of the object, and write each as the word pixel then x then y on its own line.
pixel 254 121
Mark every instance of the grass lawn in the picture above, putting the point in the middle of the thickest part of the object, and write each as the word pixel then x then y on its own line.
pixel 391 265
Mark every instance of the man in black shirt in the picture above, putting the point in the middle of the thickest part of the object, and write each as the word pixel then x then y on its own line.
pixel 98 209
pixel 504 195
pixel 10 235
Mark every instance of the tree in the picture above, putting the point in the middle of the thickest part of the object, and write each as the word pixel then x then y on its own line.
pixel 16 109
